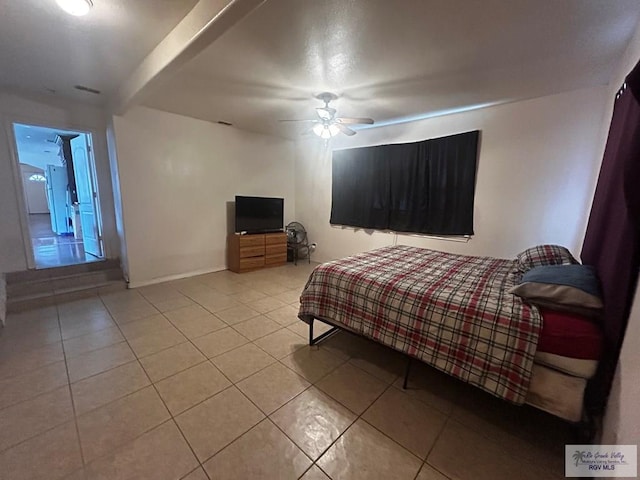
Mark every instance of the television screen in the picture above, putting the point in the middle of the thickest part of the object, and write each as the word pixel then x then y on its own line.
pixel 259 214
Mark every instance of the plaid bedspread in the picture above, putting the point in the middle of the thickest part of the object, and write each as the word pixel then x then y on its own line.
pixel 450 311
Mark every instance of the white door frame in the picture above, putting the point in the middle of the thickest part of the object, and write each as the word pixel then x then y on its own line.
pixel 23 213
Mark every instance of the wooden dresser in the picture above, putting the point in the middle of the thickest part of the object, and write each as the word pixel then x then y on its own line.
pixel 256 251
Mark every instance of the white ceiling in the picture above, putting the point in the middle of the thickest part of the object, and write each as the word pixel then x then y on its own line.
pixel 36 145
pixel 389 60
pixel 396 59
pixel 42 48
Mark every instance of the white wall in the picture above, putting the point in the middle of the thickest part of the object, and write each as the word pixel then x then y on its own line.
pixel 536 175
pixel 39 159
pixel 622 419
pixel 34 192
pixel 176 175
pixel 52 112
pixel 117 197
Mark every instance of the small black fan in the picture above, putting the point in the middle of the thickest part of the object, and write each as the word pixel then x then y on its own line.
pixel 296 233
pixel 297 241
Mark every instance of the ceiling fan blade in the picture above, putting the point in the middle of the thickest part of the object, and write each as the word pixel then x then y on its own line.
pixel 326 113
pixel 345 130
pixel 354 120
pixel 301 120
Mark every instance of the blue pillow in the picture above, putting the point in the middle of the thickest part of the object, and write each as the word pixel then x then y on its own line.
pixel 579 276
pixel 563 287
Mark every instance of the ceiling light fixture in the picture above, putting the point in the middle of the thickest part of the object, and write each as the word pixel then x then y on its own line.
pixel 325 130
pixel 77 8
pixel 327 124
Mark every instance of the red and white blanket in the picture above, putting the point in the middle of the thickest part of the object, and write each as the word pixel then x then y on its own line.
pixel 450 311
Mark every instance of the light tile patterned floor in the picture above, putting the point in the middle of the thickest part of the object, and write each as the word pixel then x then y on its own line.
pixel 211 377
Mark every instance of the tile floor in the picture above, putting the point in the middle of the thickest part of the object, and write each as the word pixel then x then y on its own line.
pixel 211 377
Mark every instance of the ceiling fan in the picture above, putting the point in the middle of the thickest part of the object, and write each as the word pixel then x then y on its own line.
pixel 327 124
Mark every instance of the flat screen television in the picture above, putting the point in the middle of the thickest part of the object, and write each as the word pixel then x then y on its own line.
pixel 259 214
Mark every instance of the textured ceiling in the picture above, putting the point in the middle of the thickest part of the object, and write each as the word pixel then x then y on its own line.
pixel 390 60
pixel 396 59
pixel 43 48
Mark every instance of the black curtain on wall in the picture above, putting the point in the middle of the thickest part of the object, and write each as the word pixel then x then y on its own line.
pixel 612 239
pixel 360 188
pixel 422 187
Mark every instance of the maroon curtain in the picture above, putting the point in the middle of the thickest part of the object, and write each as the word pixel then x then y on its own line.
pixel 612 239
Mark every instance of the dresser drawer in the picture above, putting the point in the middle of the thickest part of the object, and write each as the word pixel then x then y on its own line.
pixel 251 240
pixel 275 238
pixel 251 263
pixel 276 249
pixel 251 251
pixel 280 258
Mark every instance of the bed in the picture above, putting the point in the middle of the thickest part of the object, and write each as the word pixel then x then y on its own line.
pixel 453 312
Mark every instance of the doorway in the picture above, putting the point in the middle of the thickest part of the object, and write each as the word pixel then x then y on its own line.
pixel 57 173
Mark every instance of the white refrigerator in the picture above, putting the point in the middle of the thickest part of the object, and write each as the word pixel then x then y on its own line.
pixel 57 199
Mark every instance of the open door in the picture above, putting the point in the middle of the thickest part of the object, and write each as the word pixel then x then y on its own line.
pixel 87 195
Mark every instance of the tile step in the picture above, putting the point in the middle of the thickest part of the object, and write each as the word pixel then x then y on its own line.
pixel 59 282
pixel 19 303
pixel 55 272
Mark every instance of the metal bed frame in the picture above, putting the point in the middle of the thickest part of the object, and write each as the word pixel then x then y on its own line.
pixel 584 431
pixel 335 328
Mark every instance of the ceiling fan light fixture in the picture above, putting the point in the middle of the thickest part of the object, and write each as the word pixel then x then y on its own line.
pixel 77 8
pixel 327 124
pixel 320 130
pixel 325 131
pixel 326 113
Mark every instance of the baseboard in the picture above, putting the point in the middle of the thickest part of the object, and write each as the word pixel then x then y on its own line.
pixel 179 276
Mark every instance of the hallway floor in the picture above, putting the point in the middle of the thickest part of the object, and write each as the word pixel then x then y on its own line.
pixel 211 377
pixel 52 250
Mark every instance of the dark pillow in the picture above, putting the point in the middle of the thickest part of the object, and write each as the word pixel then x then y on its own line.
pixel 542 255
pixel 573 288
